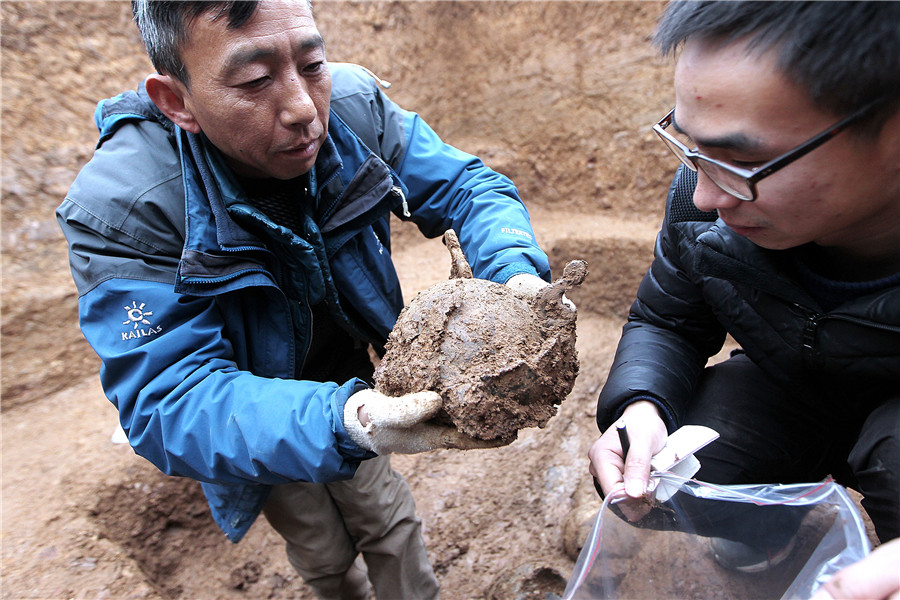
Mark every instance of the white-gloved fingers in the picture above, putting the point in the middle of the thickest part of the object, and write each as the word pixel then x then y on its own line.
pixel 396 425
pixel 357 432
pixel 400 411
pixel 452 438
pixel 531 285
pixel 527 284
pixel 425 438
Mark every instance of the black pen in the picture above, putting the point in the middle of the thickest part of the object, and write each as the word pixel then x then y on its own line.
pixel 623 439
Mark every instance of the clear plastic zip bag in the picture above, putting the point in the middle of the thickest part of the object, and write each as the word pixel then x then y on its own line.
pixel 691 539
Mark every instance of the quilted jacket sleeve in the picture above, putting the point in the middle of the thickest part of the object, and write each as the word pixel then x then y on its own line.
pixel 670 333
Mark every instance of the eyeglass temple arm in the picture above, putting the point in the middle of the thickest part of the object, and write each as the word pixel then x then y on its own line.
pixel 810 145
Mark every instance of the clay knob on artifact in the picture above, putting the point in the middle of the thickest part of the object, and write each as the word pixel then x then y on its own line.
pixel 550 297
pixel 459 266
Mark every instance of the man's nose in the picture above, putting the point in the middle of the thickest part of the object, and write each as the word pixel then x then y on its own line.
pixel 708 196
pixel 297 106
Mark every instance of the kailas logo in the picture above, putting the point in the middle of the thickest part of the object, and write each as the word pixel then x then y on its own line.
pixel 141 325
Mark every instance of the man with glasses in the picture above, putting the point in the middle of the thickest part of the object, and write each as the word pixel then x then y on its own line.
pixel 782 229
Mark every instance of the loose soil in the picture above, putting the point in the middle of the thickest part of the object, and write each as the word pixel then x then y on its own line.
pixel 557 95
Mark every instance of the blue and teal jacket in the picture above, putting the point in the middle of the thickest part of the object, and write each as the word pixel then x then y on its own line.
pixel 185 288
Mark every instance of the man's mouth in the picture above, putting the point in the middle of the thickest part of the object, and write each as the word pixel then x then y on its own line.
pixel 744 230
pixel 303 151
pixel 301 148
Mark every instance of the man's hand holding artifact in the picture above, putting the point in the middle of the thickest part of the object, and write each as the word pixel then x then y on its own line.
pixel 386 424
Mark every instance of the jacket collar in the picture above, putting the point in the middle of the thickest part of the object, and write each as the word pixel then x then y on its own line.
pixel 350 188
pixel 349 185
pixel 724 254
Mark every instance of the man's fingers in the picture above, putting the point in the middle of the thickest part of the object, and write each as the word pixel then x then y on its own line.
pixel 401 411
pixel 647 436
pixel 637 471
pixel 875 576
pixel 606 462
pixel 398 424
pixel 414 408
pixel 451 437
pixel 428 437
pixel 527 284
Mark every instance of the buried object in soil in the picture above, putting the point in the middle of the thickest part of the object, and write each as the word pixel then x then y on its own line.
pixel 502 361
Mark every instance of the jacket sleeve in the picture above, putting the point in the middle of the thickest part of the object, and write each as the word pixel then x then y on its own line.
pixel 189 409
pixel 449 188
pixel 170 369
pixel 669 335
pixel 445 187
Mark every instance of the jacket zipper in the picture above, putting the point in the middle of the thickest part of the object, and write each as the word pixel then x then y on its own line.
pixel 863 322
pixel 399 192
pixel 311 330
pixel 815 319
pixel 809 331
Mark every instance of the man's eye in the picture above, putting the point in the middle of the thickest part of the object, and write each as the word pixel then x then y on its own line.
pixel 313 68
pixel 747 164
pixel 255 83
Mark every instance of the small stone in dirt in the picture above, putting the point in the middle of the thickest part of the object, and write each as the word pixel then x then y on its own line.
pixel 245 575
pixel 576 527
pixel 527 581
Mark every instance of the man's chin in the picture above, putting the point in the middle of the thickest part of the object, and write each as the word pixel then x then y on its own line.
pixel 764 237
pixel 768 243
pixel 280 166
pixel 292 168
pixel 287 172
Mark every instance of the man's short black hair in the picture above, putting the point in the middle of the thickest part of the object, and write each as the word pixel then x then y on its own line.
pixel 844 54
pixel 164 27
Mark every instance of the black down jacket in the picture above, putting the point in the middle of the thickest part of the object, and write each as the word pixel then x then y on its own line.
pixel 706 281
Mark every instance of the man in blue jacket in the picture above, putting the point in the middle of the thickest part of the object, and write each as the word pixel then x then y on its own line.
pixel 230 243
pixel 782 229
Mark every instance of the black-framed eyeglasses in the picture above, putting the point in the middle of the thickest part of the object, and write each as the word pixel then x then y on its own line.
pixel 739 182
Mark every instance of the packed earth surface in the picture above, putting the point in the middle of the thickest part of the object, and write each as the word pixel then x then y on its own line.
pixel 558 95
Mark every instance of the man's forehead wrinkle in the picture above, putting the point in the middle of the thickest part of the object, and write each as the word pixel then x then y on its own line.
pixel 246 55
pixel 310 42
pixel 303 41
pixel 250 52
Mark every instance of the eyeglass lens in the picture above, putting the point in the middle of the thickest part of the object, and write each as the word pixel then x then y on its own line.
pixel 732 183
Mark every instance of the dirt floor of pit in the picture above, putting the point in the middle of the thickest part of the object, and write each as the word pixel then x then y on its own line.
pixel 557 95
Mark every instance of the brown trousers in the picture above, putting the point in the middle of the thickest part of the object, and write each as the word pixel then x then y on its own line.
pixel 327 526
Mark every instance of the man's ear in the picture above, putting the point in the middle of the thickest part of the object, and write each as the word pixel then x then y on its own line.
pixel 169 94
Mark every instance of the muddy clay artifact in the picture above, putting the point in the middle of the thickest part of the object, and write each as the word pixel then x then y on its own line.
pixel 502 361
